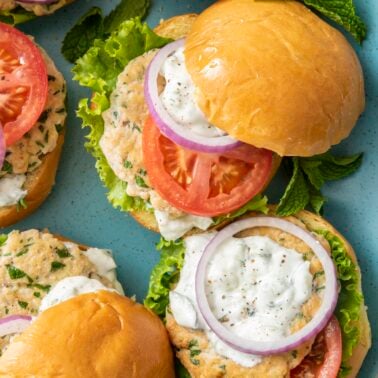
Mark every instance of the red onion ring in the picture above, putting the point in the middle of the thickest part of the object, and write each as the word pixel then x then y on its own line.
pixel 2 146
pixel 311 329
pixel 14 324
pixel 173 130
pixel 37 1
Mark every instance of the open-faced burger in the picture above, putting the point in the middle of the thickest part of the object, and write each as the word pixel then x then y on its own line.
pixel 32 124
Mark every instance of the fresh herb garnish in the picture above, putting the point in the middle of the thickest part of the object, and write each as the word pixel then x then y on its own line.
pixel 37 294
pixel 92 25
pixel 342 12
pixel 56 265
pixel 308 176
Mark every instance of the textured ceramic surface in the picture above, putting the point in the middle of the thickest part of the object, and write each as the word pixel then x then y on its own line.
pixel 78 209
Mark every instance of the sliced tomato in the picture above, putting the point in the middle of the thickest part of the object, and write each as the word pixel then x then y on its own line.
pixel 200 183
pixel 23 83
pixel 324 360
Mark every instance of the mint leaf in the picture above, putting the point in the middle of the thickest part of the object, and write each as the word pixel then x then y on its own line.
pixel 16 16
pixel 312 171
pixel 296 196
pixel 316 199
pixel 342 12
pixel 125 10
pixel 336 168
pixel 92 25
pixel 81 37
pixel 308 175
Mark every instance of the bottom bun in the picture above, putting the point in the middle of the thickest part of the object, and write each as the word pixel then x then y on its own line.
pixel 100 335
pixel 314 222
pixel 38 185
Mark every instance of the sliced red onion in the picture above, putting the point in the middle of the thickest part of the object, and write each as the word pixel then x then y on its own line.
pixel 311 329
pixel 14 324
pixel 37 1
pixel 173 130
pixel 2 146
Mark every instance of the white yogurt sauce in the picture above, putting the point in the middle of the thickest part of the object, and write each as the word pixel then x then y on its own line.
pixel 254 287
pixel 172 228
pixel 70 287
pixel 178 96
pixel 11 190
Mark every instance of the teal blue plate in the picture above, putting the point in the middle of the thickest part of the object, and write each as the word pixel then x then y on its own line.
pixel 78 208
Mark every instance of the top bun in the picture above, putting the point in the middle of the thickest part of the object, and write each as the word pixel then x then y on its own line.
pixel 273 74
pixel 99 335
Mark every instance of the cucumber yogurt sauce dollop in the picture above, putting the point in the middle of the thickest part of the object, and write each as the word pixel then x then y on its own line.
pixel 255 287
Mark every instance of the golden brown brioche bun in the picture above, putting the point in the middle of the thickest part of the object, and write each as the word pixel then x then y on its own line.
pixel 98 335
pixel 38 185
pixel 275 75
pixel 176 28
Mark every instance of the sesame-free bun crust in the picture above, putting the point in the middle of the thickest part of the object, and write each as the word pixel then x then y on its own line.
pixel 38 185
pixel 275 75
pixel 98 335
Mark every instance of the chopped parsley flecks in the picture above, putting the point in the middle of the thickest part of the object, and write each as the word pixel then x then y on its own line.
pixel 56 265
pixel 194 351
pixel 43 117
pixel 23 251
pixel 7 167
pixel 16 274
pixel 37 294
pixel 45 288
pixel 59 128
pixel 63 253
pixel 140 182
pixel 128 164
pixel 23 304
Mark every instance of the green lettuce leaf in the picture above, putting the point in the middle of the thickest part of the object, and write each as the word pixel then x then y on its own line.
pixel 164 275
pixel 350 298
pixel 98 69
pixel 258 203
pixel 16 16
pixel 342 12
